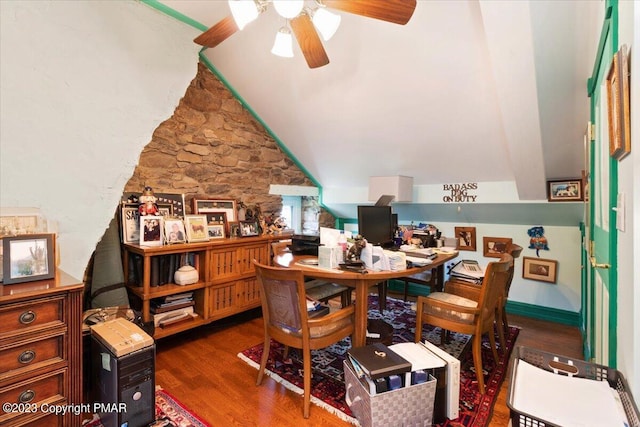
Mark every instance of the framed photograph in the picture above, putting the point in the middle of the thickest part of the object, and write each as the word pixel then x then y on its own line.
pixel 151 230
pixel 466 237
pixel 618 105
pixel 216 231
pixel 196 227
pixel 174 231
pixel 130 223
pixel 249 228
pixel 567 190
pixel 495 246
pixel 234 229
pixel 28 257
pixel 543 270
pixel 204 206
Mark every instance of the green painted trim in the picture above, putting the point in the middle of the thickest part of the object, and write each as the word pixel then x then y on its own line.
pixel 592 82
pixel 544 313
pixel 175 14
pixel 414 289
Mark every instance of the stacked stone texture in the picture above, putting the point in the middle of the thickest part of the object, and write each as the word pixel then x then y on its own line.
pixel 212 147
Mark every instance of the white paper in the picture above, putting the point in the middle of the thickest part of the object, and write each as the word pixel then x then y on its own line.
pixel 565 401
pixel 419 356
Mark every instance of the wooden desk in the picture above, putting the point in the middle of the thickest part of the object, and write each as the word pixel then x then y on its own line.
pixel 361 282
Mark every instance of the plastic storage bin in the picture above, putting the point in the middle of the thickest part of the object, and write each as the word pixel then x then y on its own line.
pixel 578 368
pixel 409 406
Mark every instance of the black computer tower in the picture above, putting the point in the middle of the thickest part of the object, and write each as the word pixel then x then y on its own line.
pixel 123 387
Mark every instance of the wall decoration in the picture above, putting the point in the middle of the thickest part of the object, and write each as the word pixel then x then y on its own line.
pixel 466 237
pixel 174 231
pixel 196 227
pixel 459 193
pixel 618 105
pixel 234 229
pixel 565 190
pixel 249 228
pixel 495 246
pixel 543 270
pixel 216 231
pixel 204 206
pixel 167 202
pixel 537 241
pixel 151 230
pixel 28 257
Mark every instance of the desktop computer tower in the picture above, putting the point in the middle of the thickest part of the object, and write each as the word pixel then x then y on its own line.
pixel 124 386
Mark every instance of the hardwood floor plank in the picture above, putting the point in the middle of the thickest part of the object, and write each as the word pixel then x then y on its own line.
pixel 201 368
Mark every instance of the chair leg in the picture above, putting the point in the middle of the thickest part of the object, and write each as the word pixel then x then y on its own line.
pixel 505 322
pixel 382 296
pixel 345 298
pixel 492 342
pixel 418 336
pixel 307 381
pixel 406 289
pixel 477 361
pixel 264 358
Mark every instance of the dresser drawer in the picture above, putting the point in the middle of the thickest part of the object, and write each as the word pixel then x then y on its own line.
pixel 17 319
pixel 42 389
pixel 28 356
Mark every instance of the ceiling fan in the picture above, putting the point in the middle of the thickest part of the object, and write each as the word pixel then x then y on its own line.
pixel 304 22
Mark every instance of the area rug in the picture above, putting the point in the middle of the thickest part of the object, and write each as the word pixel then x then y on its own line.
pixel 169 413
pixel 327 383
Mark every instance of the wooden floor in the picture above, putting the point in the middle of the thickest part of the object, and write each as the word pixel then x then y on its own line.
pixel 201 369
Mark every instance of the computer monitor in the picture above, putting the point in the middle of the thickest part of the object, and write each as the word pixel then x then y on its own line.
pixel 375 224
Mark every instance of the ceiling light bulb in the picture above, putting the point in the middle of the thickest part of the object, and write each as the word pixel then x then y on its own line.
pixel 283 45
pixel 288 8
pixel 326 23
pixel 243 12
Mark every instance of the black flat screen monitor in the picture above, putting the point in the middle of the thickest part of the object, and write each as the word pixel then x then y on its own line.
pixel 375 224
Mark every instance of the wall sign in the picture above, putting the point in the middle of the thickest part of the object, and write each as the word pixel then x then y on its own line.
pixel 456 193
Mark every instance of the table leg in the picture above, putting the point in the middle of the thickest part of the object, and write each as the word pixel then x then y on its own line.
pixel 361 313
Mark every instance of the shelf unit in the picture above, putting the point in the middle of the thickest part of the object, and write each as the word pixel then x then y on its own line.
pixel 227 283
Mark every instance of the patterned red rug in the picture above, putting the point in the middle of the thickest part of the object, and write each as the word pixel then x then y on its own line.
pixel 170 412
pixel 327 383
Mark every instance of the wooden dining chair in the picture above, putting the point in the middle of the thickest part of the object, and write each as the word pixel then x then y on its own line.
pixel 453 312
pixel 317 289
pixel 284 310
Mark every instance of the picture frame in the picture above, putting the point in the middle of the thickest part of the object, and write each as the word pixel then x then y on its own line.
pixel 129 223
pixel 617 84
pixel 167 202
pixel 234 229
pixel 466 238
pixel 216 231
pixel 539 269
pixel 151 230
pixel 565 190
pixel 204 206
pixel 28 257
pixel 196 228
pixel 495 246
pixel 249 228
pixel 174 231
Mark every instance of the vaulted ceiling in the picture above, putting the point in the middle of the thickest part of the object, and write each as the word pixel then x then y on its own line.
pixel 467 91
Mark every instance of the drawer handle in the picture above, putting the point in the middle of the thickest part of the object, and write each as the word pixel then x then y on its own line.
pixel 27 317
pixel 27 356
pixel 27 396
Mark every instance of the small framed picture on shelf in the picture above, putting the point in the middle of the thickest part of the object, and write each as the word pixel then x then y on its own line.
pixel 151 230
pixel 495 246
pixel 542 270
pixel 174 231
pixel 466 237
pixel 216 231
pixel 234 229
pixel 28 257
pixel 566 190
pixel 196 226
pixel 205 206
pixel 130 223
pixel 249 228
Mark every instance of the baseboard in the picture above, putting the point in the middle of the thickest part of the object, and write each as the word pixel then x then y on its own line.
pixel 564 317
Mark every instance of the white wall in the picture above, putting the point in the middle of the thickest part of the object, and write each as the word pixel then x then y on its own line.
pixel 629 239
pixel 83 86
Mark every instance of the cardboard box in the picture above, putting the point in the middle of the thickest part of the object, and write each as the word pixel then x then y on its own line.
pixel 121 336
pixel 409 406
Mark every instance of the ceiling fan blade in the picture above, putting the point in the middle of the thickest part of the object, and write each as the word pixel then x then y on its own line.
pixel 395 11
pixel 309 42
pixel 218 33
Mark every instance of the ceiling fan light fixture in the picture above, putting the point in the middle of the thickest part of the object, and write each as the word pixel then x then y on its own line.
pixel 288 8
pixel 243 11
pixel 326 23
pixel 283 44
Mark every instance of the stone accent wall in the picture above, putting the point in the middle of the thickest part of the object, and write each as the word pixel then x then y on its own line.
pixel 212 147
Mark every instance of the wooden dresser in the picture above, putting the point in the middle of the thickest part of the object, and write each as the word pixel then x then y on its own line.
pixel 41 352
